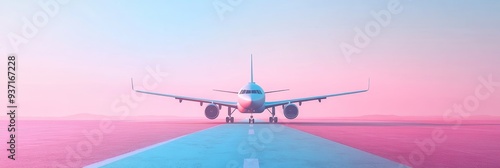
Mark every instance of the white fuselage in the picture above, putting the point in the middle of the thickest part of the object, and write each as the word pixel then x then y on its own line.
pixel 251 99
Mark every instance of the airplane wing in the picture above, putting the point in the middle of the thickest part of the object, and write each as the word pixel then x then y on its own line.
pixel 194 99
pixel 319 98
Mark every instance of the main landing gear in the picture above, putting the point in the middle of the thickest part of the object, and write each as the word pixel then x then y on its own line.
pixel 273 119
pixel 230 119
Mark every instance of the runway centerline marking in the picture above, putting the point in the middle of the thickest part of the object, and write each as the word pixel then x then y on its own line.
pixel 250 132
pixel 251 163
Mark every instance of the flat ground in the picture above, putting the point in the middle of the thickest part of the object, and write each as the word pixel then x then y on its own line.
pixel 473 144
pixel 302 143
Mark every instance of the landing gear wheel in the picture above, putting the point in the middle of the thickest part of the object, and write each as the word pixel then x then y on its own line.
pixel 275 119
pixel 229 119
pixel 271 119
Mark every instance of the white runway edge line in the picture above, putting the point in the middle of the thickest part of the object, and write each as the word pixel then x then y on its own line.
pixel 120 157
pixel 251 163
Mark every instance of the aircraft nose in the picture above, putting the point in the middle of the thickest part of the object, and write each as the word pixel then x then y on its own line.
pixel 246 101
pixel 249 101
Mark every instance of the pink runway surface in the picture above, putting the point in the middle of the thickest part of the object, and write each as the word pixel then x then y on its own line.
pixel 64 144
pixel 473 144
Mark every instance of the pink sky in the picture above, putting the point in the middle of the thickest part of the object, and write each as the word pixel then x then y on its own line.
pixel 421 64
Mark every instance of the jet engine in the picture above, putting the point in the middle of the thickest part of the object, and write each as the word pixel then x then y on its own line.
pixel 291 111
pixel 212 111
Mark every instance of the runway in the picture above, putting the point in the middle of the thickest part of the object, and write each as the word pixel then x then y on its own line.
pixel 248 146
pixel 343 142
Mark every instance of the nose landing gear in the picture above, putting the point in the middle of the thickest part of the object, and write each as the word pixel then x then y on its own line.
pixel 251 119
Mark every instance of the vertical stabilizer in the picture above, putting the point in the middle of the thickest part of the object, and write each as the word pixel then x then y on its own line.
pixel 251 68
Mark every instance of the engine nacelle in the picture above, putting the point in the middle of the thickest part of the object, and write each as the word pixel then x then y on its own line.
pixel 212 111
pixel 291 111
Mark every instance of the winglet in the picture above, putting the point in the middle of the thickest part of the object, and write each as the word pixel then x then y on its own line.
pixel 132 81
pixel 251 68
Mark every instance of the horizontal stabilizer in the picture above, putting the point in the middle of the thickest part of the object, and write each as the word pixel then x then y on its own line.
pixel 225 91
pixel 274 91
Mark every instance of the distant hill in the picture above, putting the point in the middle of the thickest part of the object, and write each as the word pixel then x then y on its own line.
pixel 88 116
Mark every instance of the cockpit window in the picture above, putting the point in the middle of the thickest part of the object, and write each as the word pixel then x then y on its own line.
pixel 250 92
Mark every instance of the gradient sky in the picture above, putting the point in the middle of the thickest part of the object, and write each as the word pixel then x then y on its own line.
pixel 428 58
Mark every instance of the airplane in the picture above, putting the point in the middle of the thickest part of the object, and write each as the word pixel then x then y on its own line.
pixel 251 99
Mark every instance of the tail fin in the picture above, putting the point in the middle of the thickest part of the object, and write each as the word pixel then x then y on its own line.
pixel 251 68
